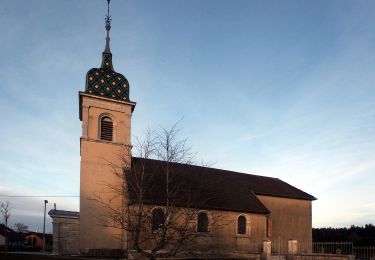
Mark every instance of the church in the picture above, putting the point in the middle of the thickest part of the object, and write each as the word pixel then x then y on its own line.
pixel 230 212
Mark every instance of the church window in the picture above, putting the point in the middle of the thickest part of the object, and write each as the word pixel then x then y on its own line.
pixel 241 225
pixel 202 223
pixel 106 128
pixel 158 219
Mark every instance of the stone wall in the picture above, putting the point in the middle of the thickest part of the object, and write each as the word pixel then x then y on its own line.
pixel 65 235
pixel 290 219
pixel 100 186
pixel 222 236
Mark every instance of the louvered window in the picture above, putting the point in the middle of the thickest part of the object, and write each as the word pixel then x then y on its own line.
pixel 106 129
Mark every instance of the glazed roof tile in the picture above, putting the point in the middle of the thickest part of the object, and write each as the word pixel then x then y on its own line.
pixel 106 82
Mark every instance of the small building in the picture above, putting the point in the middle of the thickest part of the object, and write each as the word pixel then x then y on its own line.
pixel 10 239
pixel 65 231
pixel 34 241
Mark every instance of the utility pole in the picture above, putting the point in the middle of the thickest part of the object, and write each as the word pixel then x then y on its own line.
pixel 44 225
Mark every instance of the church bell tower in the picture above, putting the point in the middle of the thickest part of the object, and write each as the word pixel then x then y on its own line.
pixel 105 110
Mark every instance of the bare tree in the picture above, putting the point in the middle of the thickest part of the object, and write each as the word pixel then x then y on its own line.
pixel 20 227
pixel 149 186
pixel 5 209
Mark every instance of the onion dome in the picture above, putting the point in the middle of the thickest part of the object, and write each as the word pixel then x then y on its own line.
pixel 105 81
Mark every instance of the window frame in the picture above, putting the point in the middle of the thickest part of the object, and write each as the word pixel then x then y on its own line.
pixel 247 228
pixel 268 226
pixel 101 118
pixel 208 229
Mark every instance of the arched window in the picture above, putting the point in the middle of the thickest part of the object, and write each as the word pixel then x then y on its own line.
pixel 158 219
pixel 202 223
pixel 106 128
pixel 241 225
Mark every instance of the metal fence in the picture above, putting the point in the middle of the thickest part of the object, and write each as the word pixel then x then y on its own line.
pixel 326 248
pixel 345 248
pixel 279 248
pixel 364 252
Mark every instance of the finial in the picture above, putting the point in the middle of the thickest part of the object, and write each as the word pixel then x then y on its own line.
pixel 108 18
pixel 108 28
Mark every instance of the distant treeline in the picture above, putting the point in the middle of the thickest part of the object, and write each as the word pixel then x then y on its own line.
pixel 360 236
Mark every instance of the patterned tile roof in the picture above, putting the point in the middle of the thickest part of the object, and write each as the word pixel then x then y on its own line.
pixel 106 82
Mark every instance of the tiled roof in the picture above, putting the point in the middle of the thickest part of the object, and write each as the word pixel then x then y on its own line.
pixel 106 82
pixel 211 188
pixel 63 213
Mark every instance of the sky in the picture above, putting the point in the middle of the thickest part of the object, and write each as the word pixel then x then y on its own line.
pixel 276 88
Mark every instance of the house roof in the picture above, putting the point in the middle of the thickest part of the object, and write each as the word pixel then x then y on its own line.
pixel 10 233
pixel 48 237
pixel 210 188
pixel 63 213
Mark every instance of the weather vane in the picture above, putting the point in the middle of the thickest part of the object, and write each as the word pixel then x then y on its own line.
pixel 108 18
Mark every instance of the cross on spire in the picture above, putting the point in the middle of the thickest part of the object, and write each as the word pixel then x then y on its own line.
pixel 108 28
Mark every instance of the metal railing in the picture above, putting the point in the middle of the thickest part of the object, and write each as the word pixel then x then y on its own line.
pixel 364 252
pixel 279 247
pixel 332 248
pixel 344 248
pixel 313 250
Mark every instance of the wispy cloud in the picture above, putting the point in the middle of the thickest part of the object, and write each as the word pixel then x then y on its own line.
pixel 282 92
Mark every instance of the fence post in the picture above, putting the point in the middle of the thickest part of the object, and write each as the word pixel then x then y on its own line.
pixel 266 254
pixel 292 248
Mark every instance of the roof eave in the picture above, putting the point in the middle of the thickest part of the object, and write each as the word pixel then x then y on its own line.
pixel 311 198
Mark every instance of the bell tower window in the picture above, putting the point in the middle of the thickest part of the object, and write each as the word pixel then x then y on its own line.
pixel 106 129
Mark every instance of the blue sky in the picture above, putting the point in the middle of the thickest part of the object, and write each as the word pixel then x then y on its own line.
pixel 276 88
